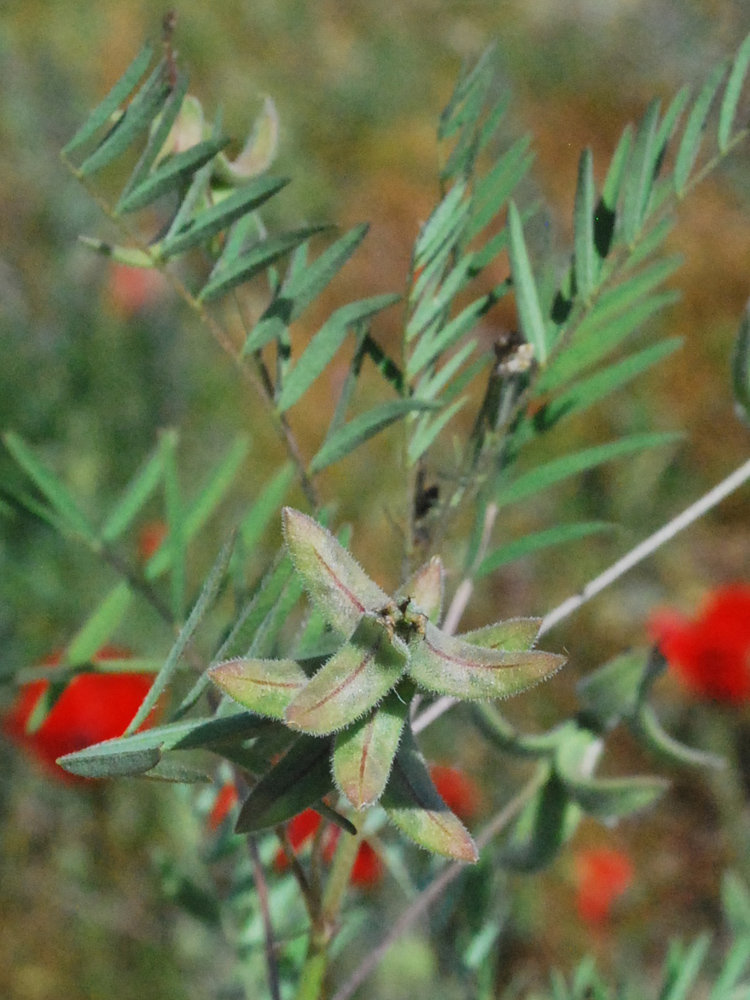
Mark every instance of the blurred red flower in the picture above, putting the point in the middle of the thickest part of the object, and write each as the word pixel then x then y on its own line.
pixel 367 870
pixel 459 792
pixel 710 654
pixel 224 803
pixel 150 537
pixel 132 289
pixel 92 708
pixel 602 875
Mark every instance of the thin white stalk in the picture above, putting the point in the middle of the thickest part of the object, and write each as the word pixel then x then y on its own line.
pixel 614 572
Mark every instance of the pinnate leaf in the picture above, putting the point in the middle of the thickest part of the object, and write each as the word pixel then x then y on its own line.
pixel 692 137
pixel 119 93
pixel 732 93
pixel 349 436
pixel 141 111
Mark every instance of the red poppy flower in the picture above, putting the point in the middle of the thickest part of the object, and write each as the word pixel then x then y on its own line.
pixel 459 792
pixel 132 289
pixel 92 708
pixel 711 653
pixel 150 537
pixel 225 801
pixel 602 874
pixel 367 869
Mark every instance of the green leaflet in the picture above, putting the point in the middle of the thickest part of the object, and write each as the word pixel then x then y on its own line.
pixel 176 540
pixel 100 626
pixel 70 516
pixel 640 173
pixel 649 730
pixel 734 969
pixel 616 174
pixel 360 429
pixel 537 542
pixel 173 173
pixel 596 338
pixel 204 505
pixel 692 137
pixel 649 242
pixel 334 580
pixel 355 679
pixel 527 297
pixel 102 759
pixel 614 690
pixel 363 753
pixel 432 344
pixel 682 972
pixel 159 134
pixel 581 395
pixel 206 597
pixel 440 229
pixel 429 386
pixel 585 259
pixel 301 287
pixel 300 779
pixel 605 798
pixel 236 269
pixel 264 686
pixel 732 93
pixel 324 345
pixel 547 822
pixel 543 476
pixel 139 114
pixel 513 634
pixel 432 308
pixel 494 189
pixel 119 93
pixel 453 116
pixel 424 589
pixel 265 507
pixel 136 494
pixel 451 665
pixel 413 804
pixel 428 429
pixel 213 220
pixel 735 899
pixel 741 367
pixel 510 740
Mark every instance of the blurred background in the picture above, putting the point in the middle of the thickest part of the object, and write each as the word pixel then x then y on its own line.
pixel 92 365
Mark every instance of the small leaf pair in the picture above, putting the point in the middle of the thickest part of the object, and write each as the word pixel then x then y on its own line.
pixel 357 702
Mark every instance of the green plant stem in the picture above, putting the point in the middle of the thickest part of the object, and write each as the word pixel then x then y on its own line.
pixel 325 927
pixel 433 892
pixel 255 378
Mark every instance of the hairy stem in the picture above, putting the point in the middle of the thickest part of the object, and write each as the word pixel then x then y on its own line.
pixel 274 986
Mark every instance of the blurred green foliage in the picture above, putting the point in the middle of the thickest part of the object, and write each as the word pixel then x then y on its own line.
pixel 89 379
